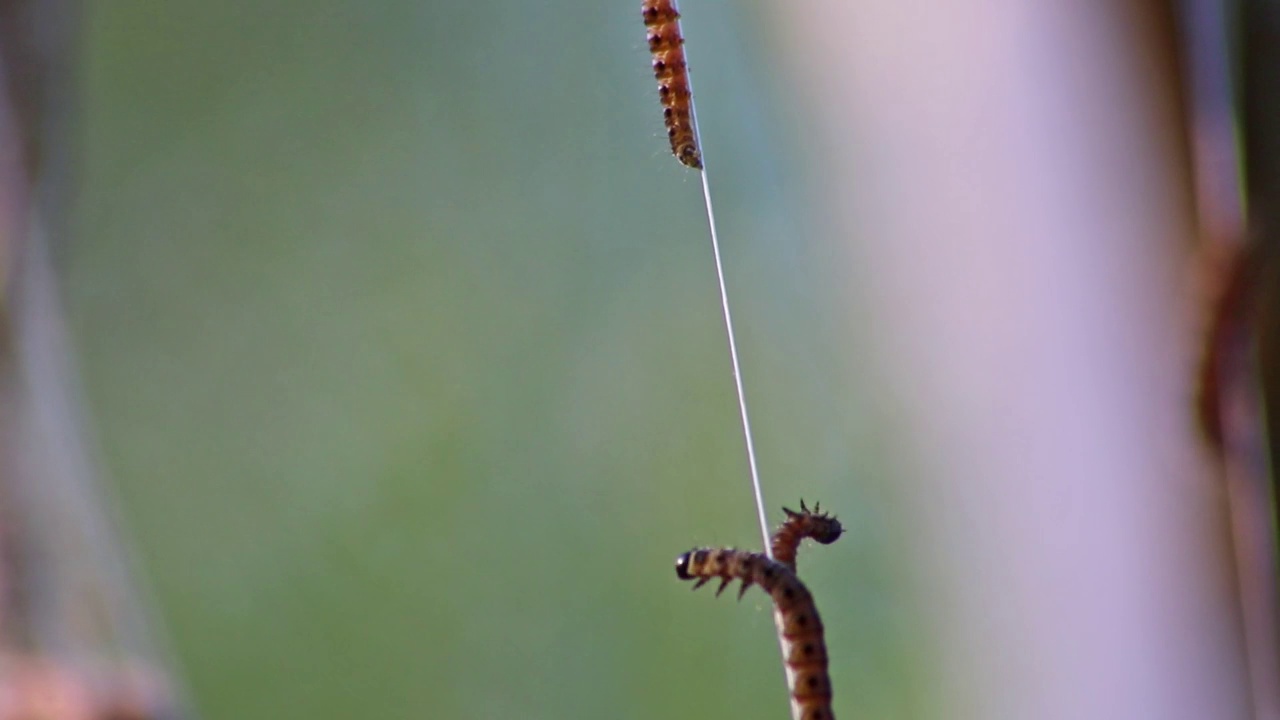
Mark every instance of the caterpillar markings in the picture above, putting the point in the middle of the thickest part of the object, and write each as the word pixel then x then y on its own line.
pixel 800 525
pixel 666 44
pixel 802 643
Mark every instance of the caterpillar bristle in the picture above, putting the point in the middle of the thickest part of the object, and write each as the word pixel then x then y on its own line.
pixel 723 584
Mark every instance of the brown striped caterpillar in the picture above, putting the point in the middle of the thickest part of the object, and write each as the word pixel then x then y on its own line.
pixel 669 67
pixel 800 525
pixel 803 647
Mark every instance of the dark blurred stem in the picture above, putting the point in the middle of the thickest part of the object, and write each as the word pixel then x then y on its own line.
pixel 13 200
pixel 1242 345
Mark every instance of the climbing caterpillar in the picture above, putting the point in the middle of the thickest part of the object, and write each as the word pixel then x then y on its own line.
pixel 667 46
pixel 803 647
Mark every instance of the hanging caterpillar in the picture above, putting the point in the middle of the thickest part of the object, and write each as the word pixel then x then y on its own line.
pixel 800 525
pixel 674 90
pixel 803 647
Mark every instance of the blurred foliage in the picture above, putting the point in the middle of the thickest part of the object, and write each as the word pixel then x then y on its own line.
pixel 400 334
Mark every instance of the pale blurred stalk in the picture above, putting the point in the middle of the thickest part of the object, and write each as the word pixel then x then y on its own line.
pixel 1009 183
pixel 74 637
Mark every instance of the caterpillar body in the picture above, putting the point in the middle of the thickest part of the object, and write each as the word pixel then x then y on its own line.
pixel 807 523
pixel 802 640
pixel 666 44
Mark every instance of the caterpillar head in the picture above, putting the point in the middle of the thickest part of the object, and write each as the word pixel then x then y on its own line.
pixel 682 566
pixel 688 154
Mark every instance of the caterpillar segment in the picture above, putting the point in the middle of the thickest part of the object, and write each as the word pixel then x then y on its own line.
pixel 802 634
pixel 666 44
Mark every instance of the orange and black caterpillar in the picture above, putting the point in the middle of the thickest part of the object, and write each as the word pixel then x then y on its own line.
pixel 669 66
pixel 800 525
pixel 802 643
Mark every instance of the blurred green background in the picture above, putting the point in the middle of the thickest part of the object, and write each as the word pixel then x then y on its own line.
pixel 399 328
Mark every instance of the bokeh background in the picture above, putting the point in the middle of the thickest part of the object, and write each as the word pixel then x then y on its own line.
pixel 398 328
pixel 393 354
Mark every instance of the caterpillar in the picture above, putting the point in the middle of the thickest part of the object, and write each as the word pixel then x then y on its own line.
pixel 800 525
pixel 666 44
pixel 802 642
